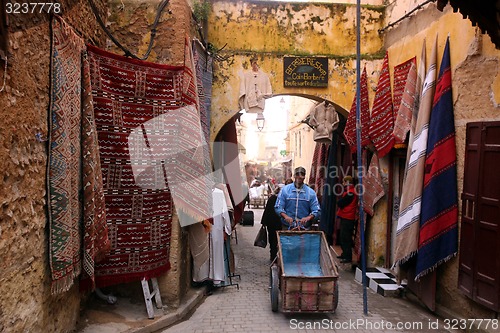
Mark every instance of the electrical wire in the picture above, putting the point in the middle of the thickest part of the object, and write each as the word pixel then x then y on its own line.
pixel 127 52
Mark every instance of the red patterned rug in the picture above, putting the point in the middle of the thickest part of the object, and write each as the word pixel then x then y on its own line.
pixel 382 118
pixel 350 127
pixel 95 238
pixel 149 133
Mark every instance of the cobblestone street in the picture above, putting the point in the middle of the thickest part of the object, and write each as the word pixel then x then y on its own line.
pixel 249 308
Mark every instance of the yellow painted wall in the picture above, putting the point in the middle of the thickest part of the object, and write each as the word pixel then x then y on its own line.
pixel 476 91
pixel 271 30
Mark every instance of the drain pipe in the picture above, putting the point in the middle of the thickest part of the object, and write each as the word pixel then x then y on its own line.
pixel 358 145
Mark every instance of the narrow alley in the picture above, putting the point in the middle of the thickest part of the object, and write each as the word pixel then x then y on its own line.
pixel 134 133
pixel 248 309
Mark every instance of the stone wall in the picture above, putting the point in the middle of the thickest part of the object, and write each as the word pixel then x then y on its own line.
pixel 26 303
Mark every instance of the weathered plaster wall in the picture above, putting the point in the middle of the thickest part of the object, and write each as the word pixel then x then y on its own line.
pixel 131 23
pixel 26 303
pixel 475 85
pixel 272 30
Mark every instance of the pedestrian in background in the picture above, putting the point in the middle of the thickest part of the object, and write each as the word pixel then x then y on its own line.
pixel 272 221
pixel 348 205
pixel 297 203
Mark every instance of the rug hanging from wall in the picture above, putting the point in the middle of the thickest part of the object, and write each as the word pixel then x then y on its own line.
pixel 149 142
pixel 382 117
pixel 407 231
pixel 350 127
pixel 438 237
pixel 203 64
pixel 63 167
pixel 405 80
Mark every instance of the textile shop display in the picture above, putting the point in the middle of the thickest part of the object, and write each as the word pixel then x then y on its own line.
pixel 64 156
pixel 405 80
pixel 407 231
pixel 141 110
pixel 350 128
pixel 382 118
pixel 438 240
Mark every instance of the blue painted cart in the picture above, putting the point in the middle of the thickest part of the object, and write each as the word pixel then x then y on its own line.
pixel 304 274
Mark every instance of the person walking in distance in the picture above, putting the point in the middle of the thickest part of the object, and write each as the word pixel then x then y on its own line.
pixel 272 221
pixel 297 204
pixel 348 204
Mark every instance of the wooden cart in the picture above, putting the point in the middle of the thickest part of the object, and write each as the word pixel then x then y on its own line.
pixel 304 274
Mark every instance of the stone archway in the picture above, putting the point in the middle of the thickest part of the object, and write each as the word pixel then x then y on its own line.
pixel 271 31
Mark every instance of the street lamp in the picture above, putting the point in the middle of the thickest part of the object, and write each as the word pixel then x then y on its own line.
pixel 260 121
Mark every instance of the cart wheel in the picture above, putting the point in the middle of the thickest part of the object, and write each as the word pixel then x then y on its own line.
pixel 336 295
pixel 274 287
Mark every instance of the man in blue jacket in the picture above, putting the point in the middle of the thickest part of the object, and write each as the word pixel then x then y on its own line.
pixel 297 203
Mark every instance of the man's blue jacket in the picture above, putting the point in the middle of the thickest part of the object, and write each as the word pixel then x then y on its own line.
pixel 297 203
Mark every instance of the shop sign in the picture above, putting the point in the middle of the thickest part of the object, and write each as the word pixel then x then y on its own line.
pixel 304 72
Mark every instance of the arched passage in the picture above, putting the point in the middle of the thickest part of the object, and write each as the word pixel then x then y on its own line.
pixel 272 31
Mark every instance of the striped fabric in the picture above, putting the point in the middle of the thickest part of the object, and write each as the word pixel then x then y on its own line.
pixel 405 80
pixel 409 214
pixel 438 240
pixel 418 95
pixel 382 118
pixel 350 127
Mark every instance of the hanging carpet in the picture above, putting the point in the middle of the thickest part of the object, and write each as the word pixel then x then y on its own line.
pixel 373 186
pixel 405 80
pixel 382 118
pixel 96 243
pixel 151 158
pixel 407 231
pixel 64 159
pixel 203 65
pixel 350 128
pixel 438 241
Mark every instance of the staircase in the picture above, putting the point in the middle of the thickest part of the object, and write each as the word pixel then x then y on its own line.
pixel 381 281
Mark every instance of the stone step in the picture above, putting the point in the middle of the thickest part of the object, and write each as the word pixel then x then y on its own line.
pixel 382 281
